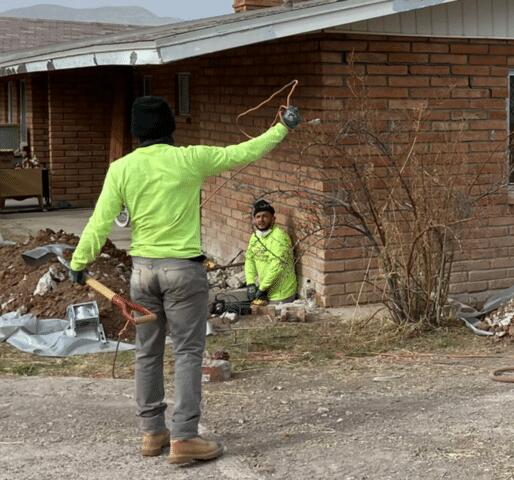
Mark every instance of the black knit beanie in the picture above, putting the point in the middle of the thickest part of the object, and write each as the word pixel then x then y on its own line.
pixel 152 118
pixel 262 206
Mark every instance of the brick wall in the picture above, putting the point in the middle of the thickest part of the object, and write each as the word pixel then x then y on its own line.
pixel 79 125
pixel 223 86
pixel 464 83
pixel 461 81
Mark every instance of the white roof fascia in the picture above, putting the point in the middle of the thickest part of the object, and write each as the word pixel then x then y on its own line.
pixel 82 58
pixel 208 40
pixel 305 20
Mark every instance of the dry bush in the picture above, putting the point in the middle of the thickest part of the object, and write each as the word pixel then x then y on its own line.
pixel 400 181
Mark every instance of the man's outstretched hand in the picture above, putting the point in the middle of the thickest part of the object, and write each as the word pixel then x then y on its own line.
pixel 290 117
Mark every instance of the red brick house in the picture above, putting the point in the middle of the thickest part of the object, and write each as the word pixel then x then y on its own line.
pixel 213 69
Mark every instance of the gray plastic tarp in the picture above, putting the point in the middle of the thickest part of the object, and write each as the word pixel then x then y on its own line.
pixel 47 337
pixel 472 316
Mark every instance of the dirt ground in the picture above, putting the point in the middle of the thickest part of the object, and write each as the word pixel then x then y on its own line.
pixel 315 412
pixel 380 418
pixel 18 280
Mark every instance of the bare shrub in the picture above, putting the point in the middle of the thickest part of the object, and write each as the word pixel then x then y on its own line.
pixel 400 180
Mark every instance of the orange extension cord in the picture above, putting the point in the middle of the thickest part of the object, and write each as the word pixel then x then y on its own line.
pixel 292 85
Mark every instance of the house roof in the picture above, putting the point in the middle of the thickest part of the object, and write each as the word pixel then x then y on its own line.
pixel 169 43
pixel 24 33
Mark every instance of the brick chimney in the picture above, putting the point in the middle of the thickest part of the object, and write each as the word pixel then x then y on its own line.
pixel 246 5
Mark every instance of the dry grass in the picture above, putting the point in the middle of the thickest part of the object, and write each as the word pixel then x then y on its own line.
pixel 265 344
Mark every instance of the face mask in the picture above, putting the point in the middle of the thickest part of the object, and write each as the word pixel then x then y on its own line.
pixel 263 233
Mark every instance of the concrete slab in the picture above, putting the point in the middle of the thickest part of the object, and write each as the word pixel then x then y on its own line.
pixel 19 225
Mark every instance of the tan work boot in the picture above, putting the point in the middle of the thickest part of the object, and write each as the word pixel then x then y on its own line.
pixel 185 451
pixel 153 443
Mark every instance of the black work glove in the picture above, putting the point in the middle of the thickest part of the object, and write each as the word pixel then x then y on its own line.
pixel 77 276
pixel 251 290
pixel 290 117
pixel 261 295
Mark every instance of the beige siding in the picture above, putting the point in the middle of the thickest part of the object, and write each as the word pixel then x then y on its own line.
pixel 465 18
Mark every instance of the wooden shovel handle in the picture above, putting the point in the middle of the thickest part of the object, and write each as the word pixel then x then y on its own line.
pixel 126 307
pixel 100 288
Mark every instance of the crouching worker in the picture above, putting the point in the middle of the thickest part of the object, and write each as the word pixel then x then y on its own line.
pixel 269 263
pixel 160 185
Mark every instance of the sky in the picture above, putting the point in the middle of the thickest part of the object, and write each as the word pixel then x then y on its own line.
pixel 164 8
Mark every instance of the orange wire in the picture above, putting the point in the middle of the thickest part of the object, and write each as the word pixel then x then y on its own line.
pixel 293 84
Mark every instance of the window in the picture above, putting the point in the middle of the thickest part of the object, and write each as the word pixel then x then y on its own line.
pixel 23 113
pixel 184 93
pixel 147 85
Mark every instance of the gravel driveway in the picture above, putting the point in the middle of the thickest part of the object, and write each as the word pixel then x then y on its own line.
pixel 356 419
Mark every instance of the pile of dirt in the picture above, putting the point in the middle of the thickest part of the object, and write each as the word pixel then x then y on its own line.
pixel 18 281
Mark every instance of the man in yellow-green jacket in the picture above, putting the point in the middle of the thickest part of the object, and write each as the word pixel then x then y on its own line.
pixel 269 259
pixel 160 186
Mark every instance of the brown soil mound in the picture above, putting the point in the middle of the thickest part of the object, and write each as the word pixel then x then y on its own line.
pixel 19 280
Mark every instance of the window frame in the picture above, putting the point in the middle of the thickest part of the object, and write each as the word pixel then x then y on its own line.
pixel 22 112
pixel 9 91
pixel 183 97
pixel 147 85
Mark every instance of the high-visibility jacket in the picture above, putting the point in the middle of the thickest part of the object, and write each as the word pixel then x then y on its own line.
pixel 270 260
pixel 160 186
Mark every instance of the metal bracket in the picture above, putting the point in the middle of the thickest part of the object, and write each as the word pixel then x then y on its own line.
pixel 84 321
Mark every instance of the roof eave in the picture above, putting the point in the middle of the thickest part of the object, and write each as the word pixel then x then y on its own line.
pixel 285 24
pixel 213 39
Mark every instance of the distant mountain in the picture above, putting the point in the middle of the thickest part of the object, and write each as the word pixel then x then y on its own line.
pixel 122 15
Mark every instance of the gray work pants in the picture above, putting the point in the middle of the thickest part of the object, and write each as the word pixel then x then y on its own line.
pixel 177 291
